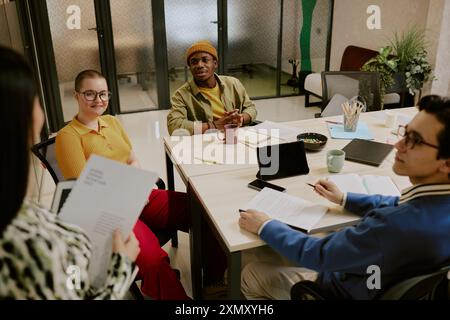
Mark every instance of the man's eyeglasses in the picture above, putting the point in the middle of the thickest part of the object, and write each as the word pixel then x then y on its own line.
pixel 91 95
pixel 412 138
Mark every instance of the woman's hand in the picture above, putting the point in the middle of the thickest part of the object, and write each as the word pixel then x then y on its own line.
pixel 329 190
pixel 133 160
pixel 129 248
pixel 252 220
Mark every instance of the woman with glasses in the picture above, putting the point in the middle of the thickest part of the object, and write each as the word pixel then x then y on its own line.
pixel 37 251
pixel 91 132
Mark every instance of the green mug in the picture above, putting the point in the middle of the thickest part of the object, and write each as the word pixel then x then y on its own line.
pixel 335 160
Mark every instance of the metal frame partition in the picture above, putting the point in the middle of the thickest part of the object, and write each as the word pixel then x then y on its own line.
pixel 34 20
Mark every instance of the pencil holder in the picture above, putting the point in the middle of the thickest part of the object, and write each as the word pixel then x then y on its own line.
pixel 351 122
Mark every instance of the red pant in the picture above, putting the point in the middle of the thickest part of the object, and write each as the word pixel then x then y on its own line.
pixel 166 210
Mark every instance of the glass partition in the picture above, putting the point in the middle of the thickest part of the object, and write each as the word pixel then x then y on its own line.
pixel 305 31
pixel 253 29
pixel 75 49
pixel 134 53
pixel 187 21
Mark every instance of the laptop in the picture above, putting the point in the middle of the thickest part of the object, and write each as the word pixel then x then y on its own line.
pixel 367 152
pixel 282 161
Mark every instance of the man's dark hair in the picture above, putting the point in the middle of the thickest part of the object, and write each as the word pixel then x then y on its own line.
pixel 86 74
pixel 17 94
pixel 440 108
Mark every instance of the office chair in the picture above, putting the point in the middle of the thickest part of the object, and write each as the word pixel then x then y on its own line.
pixel 428 286
pixel 348 84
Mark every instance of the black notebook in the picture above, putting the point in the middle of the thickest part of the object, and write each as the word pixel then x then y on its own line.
pixel 367 152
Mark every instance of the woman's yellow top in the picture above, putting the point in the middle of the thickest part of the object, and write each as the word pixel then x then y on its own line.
pixel 75 143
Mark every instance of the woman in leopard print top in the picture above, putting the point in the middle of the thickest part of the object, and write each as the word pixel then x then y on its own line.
pixel 40 256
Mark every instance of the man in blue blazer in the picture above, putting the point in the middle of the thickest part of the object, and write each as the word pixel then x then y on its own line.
pixel 397 236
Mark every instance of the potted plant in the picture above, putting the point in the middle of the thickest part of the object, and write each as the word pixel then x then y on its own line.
pixel 410 49
pixel 403 65
pixel 386 65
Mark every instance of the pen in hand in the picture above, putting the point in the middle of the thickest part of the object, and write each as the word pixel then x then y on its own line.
pixel 311 185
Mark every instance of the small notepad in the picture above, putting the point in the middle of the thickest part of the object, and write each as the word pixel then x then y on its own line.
pixel 362 132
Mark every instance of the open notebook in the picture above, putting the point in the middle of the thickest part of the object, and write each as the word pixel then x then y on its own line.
pixel 366 184
pixel 291 210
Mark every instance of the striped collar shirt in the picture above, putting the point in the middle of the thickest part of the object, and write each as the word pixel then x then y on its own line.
pixel 423 190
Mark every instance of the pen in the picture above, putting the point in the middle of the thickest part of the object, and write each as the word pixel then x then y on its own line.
pixel 333 122
pixel 311 185
pixel 241 210
pixel 207 161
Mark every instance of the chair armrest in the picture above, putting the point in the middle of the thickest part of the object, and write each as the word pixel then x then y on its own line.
pixel 308 290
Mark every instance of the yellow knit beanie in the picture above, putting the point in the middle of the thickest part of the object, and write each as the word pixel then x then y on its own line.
pixel 201 46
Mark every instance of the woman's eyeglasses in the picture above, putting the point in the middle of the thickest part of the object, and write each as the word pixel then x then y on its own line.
pixel 91 95
pixel 412 138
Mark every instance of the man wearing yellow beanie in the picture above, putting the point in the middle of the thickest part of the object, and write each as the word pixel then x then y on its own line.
pixel 209 101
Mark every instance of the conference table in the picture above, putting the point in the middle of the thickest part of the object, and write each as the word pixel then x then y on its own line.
pixel 217 190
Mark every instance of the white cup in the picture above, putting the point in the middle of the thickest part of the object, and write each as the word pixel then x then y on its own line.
pixel 391 119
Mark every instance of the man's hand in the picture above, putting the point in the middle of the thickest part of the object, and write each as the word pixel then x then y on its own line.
pixel 229 117
pixel 329 190
pixel 252 220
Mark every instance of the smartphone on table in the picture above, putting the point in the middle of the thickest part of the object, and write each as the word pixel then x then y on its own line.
pixel 259 184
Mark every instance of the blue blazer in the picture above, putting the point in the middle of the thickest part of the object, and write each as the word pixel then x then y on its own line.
pixel 402 239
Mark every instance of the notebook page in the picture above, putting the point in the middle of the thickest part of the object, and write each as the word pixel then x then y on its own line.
pixel 349 183
pixel 289 209
pixel 380 185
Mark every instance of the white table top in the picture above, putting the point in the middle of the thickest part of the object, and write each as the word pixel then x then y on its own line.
pixel 223 189
pixel 184 151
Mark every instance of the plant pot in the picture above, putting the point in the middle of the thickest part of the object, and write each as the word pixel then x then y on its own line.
pixel 399 84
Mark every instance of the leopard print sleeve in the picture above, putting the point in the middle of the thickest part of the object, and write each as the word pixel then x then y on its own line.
pixel 44 258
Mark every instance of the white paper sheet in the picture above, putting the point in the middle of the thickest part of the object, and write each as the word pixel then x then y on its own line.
pixel 289 209
pixel 276 130
pixel 108 195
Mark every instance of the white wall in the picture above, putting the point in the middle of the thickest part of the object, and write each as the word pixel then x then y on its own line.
pixel 440 22
pixel 349 23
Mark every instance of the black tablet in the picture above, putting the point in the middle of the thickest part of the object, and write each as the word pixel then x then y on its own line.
pixel 282 161
pixel 367 152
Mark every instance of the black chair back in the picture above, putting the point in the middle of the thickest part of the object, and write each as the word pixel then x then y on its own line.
pixel 45 152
